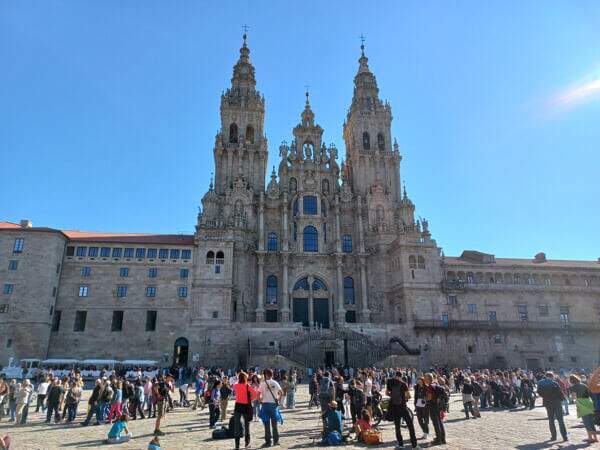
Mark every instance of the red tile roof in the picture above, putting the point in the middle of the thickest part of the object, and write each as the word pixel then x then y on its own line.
pixel 507 262
pixel 126 238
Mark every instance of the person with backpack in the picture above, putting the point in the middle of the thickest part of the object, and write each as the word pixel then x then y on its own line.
pixel 399 395
pixel 552 395
pixel 357 399
pixel 160 393
pixel 326 394
pixel 214 405
pixel 244 394
pixel 435 398
pixel 467 397
pixel 477 391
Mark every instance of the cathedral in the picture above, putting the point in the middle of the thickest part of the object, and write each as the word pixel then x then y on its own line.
pixel 320 262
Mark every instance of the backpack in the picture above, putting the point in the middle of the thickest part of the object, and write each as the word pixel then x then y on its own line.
pixel 476 389
pixel 326 387
pixel 442 394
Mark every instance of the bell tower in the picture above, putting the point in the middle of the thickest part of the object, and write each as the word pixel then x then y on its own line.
pixel 240 146
pixel 371 158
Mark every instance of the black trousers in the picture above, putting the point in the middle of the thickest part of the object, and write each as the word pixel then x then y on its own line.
pixel 556 413
pixel 423 419
pixel 238 416
pixel 436 420
pixel 400 412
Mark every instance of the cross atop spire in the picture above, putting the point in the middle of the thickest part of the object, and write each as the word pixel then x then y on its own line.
pixel 245 35
pixel 362 44
pixel 306 86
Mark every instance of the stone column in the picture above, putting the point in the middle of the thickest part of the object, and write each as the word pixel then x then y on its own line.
pixel 260 308
pixel 311 313
pixel 285 297
pixel 365 314
pixel 340 313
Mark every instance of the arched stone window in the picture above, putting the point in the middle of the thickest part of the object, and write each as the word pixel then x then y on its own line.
pixel 271 290
pixel 309 205
pixel 380 141
pixel 420 262
pixel 233 133
pixel 347 243
pixel 293 185
pixel 302 283
pixel 210 257
pixel 348 291
pixel 272 243
pixel 366 141
pixel 412 262
pixel 250 134
pixel 318 285
pixel 310 239
pixel 220 258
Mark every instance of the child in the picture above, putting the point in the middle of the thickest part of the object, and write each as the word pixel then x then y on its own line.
pixel 119 432
pixel 154 444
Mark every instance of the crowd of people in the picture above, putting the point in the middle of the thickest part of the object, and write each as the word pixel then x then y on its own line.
pixel 351 402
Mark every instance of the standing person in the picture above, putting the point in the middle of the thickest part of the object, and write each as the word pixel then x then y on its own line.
pixel 199 391
pixel 467 397
pixel 53 399
pixel 23 396
pixel 313 391
pixel 116 405
pixel 435 396
pixel 255 384
pixel 270 395
pixel 326 395
pixel 550 392
pixel 148 397
pixel 399 395
pixel 357 400
pixel 12 399
pixel 563 383
pixel 3 394
pixel 160 392
pixel 42 389
pixel 244 393
pixel 72 401
pixel 420 408
pixel 226 392
pixel 94 404
pixel 291 394
pixel 136 402
pixel 477 390
pixel 214 405
pixel 585 407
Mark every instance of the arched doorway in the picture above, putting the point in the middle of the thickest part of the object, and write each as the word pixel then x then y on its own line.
pixel 180 352
pixel 311 302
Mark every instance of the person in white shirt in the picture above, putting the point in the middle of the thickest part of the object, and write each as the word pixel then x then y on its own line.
pixel 269 395
pixel 368 386
pixel 41 394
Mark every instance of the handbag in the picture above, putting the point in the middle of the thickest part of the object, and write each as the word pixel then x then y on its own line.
pixel 372 437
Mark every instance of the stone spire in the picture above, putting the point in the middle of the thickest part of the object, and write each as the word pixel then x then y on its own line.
pixel 243 71
pixel 308 117
pixel 366 92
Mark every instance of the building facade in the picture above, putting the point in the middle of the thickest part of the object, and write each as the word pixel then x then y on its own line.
pixel 324 263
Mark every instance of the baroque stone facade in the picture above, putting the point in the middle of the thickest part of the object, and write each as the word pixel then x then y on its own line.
pixel 324 264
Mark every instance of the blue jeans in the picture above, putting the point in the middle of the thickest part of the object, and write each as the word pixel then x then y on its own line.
pixel 71 411
pixel 291 399
pixel 565 407
pixel 100 407
pixel 12 409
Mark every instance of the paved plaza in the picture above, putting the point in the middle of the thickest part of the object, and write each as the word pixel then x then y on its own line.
pixel 498 429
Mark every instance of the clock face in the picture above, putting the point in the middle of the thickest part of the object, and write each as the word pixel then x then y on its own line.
pixel 244 70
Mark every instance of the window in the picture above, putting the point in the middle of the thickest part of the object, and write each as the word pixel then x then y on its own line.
pixel 56 320
pixel 309 205
pixel 174 253
pixel 105 252
pixel 93 252
pixel 183 291
pixel 217 269
pixel 412 262
pixel 83 291
pixel 452 300
pixel 250 134
pixel 349 291
pixel 81 251
pixel 220 259
pixel 445 320
pixel 151 253
pixel 215 314
pixel 210 257
pixel 573 359
pixel 271 315
pixel 302 284
pixel 70 251
pixel 318 285
pixel 3 309
pixel 80 318
pixel 124 272
pixel 18 247
pixel 121 291
pixel 295 232
pixel 271 289
pixel 8 288
pixel 347 243
pixel 492 316
pixel 472 308
pixel 128 253
pixel 295 207
pixel 350 316
pixel 152 272
pixel 183 273
pixel 186 254
pixel 233 133
pixel 140 252
pixel 117 321
pixel 116 252
pixel 13 264
pixel 366 141
pixel 420 262
pixel 530 279
pixel 9 343
pixel 497 339
pixel 543 310
pixel 151 320
pixel 470 349
pixel 516 279
pixel 550 358
pixel 522 313
pixel 469 278
pixel 564 315
pixel 272 242
pixel 86 271
pixel 380 141
pixel 163 253
pixel 548 280
pixel 311 239
pixel 150 291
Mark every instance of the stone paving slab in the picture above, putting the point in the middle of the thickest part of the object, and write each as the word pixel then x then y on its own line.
pixel 496 430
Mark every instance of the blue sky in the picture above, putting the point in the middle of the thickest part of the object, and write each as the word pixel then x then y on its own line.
pixel 108 110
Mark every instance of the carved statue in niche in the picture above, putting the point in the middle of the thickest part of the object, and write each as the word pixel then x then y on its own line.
pixel 308 150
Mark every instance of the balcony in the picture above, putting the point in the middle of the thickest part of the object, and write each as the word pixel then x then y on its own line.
pixel 506 325
pixel 453 285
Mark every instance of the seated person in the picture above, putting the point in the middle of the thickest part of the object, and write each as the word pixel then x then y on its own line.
pixel 363 424
pixel 154 444
pixel 333 425
pixel 119 432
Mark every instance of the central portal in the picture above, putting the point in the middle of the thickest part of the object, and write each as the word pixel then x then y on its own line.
pixel 311 302
pixel 321 311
